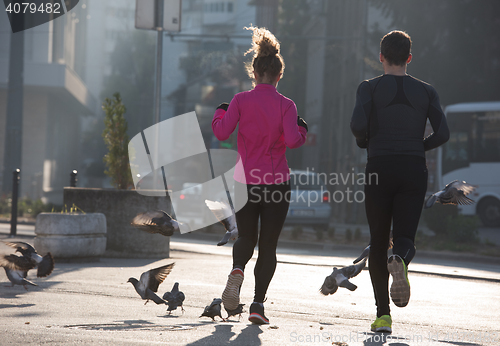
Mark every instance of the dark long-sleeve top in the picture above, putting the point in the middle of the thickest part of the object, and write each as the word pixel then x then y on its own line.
pixel 396 109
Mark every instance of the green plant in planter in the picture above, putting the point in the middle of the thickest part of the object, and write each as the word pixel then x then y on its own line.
pixel 116 139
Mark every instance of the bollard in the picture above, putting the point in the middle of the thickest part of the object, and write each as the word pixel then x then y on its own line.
pixel 74 179
pixel 13 213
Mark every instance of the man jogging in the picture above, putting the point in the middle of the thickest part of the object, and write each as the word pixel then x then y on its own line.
pixel 389 120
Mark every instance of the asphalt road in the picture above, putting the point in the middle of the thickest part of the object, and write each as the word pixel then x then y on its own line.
pixel 452 303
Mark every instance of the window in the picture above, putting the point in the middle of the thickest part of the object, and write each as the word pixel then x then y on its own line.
pixel 229 7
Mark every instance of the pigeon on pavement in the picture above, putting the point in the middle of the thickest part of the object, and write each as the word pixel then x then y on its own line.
pixel 340 278
pixel 149 282
pixel 157 221
pixel 174 298
pixel 454 193
pixel 238 311
pixel 213 310
pixel 45 264
pixel 225 214
pixel 16 268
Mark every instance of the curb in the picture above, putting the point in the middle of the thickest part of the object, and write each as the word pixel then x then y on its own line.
pixel 287 244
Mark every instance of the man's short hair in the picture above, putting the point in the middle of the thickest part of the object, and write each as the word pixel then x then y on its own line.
pixel 396 47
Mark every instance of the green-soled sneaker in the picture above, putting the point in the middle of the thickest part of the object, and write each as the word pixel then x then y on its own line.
pixel 400 288
pixel 382 324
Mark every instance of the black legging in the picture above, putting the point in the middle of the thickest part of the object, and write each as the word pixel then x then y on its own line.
pixel 396 195
pixel 270 204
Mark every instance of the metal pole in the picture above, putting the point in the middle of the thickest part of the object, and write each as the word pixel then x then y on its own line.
pixel 73 180
pixel 157 99
pixel 13 213
pixel 159 55
pixel 14 122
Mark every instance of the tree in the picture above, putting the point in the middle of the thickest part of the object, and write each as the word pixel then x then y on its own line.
pixel 116 139
pixel 455 45
pixel 133 76
pixel 292 16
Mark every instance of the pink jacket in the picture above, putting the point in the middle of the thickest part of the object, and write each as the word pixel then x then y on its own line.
pixel 267 125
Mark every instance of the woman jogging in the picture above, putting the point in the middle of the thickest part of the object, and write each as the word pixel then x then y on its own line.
pixel 389 120
pixel 268 123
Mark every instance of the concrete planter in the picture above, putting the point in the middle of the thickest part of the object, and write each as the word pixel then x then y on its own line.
pixel 71 235
pixel 120 207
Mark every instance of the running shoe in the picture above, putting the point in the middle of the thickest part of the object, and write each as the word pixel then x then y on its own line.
pixel 231 294
pixel 257 314
pixel 382 324
pixel 400 288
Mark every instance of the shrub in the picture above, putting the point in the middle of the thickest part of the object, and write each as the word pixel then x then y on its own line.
pixel 436 218
pixel 116 139
pixel 462 229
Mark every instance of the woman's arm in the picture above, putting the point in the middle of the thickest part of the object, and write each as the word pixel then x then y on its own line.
pixel 294 134
pixel 225 120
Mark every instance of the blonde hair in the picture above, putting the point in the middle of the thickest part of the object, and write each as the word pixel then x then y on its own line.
pixel 267 60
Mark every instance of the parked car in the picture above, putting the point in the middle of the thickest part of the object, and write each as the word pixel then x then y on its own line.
pixel 309 201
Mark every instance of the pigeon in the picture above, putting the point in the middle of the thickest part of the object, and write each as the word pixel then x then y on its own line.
pixel 213 310
pixel 149 282
pixel 16 268
pixel 364 254
pixel 174 298
pixel 454 193
pixel 366 251
pixel 45 264
pixel 238 311
pixel 340 278
pixel 225 214
pixel 158 221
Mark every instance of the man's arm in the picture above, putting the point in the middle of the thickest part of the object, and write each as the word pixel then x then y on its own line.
pixel 438 122
pixel 360 114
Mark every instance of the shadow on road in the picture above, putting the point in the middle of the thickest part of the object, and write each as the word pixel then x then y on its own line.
pixel 4 306
pixel 222 335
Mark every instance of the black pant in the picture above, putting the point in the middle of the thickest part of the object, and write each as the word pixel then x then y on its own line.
pixel 395 194
pixel 269 203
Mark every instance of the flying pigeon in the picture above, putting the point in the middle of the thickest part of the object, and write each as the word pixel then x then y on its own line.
pixel 340 278
pixel 213 309
pixel 366 251
pixel 45 264
pixel 149 282
pixel 174 298
pixel 364 254
pixel 158 221
pixel 16 268
pixel 454 193
pixel 225 214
